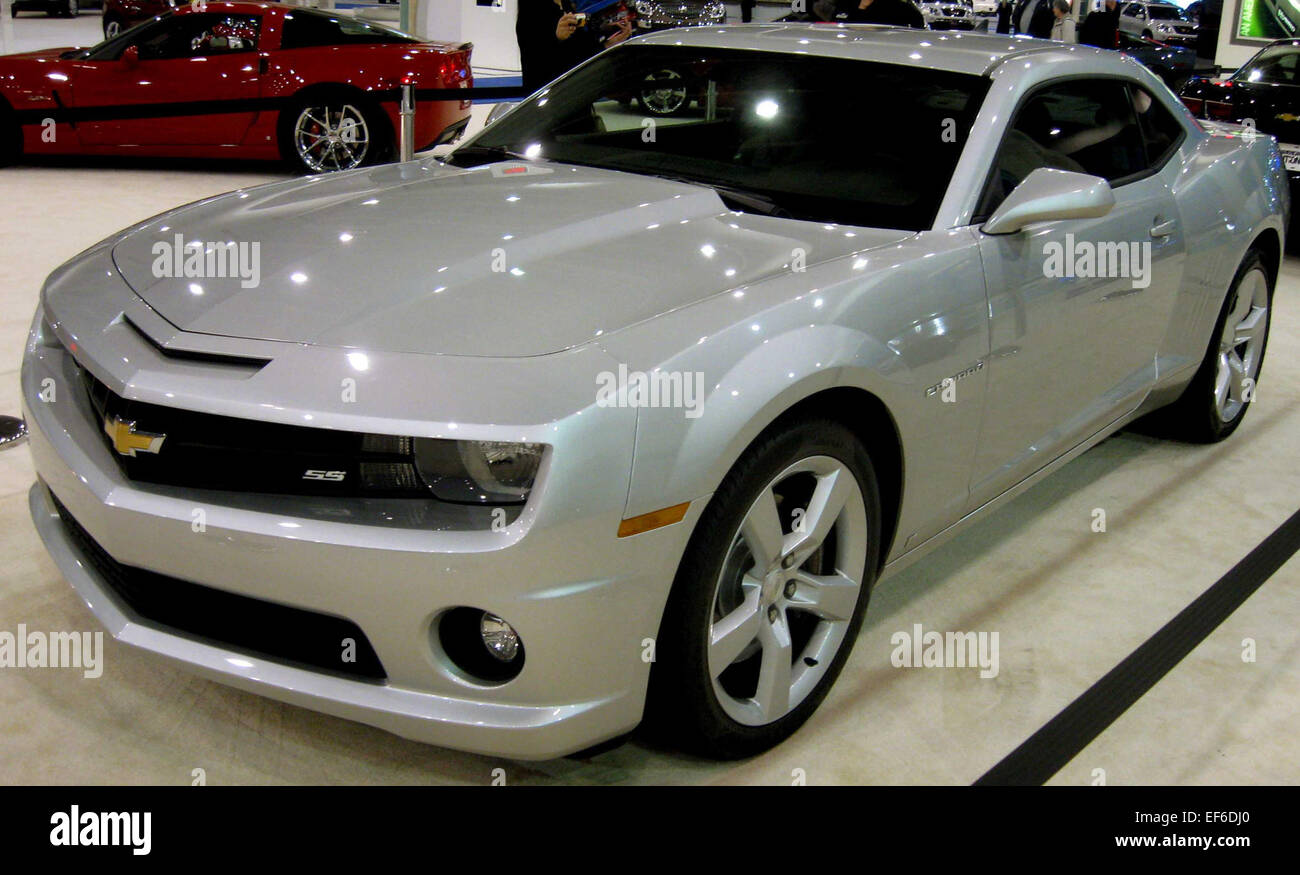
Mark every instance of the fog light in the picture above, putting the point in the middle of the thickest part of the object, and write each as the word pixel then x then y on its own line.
pixel 499 637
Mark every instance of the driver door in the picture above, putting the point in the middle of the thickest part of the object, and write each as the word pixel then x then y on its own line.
pixel 195 83
pixel 1078 308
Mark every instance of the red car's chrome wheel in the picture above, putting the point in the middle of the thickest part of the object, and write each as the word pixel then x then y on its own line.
pixel 328 138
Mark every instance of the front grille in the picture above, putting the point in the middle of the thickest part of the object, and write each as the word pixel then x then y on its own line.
pixel 242 623
pixel 206 451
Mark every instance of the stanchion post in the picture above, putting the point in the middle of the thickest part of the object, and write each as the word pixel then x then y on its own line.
pixel 407 144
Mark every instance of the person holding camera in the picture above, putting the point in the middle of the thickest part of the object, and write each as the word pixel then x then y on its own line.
pixel 554 38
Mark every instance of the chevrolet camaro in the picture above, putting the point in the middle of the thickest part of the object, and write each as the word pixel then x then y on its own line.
pixel 613 419
pixel 234 80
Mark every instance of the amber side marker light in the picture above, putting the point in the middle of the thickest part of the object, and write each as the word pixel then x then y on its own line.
pixel 655 519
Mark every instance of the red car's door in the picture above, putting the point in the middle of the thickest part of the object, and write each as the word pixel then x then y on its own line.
pixel 206 60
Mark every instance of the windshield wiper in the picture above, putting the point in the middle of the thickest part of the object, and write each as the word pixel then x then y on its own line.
pixel 476 156
pixel 750 201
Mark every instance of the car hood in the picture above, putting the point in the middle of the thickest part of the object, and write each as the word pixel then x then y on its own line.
pixel 41 54
pixel 507 259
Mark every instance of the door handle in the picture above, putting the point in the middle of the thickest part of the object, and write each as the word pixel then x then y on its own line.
pixel 1163 229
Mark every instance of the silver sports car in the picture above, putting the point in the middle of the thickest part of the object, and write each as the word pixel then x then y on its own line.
pixel 613 419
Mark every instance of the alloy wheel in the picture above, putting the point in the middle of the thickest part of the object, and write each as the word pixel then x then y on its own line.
pixel 329 138
pixel 788 589
pixel 1241 346
pixel 663 92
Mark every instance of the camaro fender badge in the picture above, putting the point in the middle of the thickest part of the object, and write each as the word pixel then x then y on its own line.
pixel 931 391
pixel 127 441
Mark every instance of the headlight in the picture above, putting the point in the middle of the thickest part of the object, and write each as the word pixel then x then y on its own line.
pixel 478 472
pixel 714 11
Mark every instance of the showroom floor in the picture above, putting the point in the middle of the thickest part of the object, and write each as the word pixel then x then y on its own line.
pixel 1067 603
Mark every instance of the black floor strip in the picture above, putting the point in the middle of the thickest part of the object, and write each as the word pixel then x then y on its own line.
pixel 1045 752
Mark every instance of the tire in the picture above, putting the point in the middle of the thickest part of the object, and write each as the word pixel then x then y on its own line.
pixel 670 97
pixel 112 26
pixel 714 712
pixel 352 114
pixel 1202 414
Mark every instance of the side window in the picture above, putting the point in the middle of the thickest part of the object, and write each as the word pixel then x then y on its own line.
pixel 1162 132
pixel 1275 69
pixel 305 29
pixel 200 35
pixel 1087 126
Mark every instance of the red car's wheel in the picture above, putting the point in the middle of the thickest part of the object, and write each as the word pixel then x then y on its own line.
pixel 331 133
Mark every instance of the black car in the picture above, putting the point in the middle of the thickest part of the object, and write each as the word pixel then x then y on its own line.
pixel 1173 64
pixel 1263 93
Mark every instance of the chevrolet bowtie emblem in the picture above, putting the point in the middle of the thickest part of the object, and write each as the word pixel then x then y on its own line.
pixel 127 441
pixel 1287 117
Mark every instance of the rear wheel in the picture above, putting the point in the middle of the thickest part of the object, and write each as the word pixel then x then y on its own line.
pixel 333 132
pixel 770 593
pixel 1216 400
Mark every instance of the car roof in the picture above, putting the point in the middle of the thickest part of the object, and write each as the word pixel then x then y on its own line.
pixel 959 52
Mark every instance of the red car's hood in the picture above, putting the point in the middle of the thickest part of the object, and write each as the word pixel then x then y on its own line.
pixel 40 54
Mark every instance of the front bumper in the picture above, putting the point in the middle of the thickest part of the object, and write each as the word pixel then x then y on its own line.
pixel 583 601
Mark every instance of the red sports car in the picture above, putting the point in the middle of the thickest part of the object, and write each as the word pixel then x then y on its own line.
pixel 239 80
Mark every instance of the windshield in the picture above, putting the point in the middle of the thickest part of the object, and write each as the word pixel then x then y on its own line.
pixel 1165 12
pixel 780 133
pixel 111 49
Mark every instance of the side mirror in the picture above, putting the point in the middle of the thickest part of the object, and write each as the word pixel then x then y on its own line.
pixel 1048 195
pixel 131 57
pixel 12 432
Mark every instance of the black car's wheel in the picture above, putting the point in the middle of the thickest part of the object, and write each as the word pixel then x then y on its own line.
pixel 770 593
pixel 112 26
pixel 1216 400
pixel 330 132
pixel 664 93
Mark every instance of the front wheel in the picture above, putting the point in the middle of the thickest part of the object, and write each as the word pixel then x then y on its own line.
pixel 327 134
pixel 1216 400
pixel 770 593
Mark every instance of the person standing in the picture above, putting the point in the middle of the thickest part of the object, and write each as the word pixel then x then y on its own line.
pixel 1063 27
pixel 746 11
pixel 1101 27
pixel 553 39
pixel 896 12
pixel 1004 16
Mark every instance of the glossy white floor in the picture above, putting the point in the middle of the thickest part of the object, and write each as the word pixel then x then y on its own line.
pixel 1067 604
